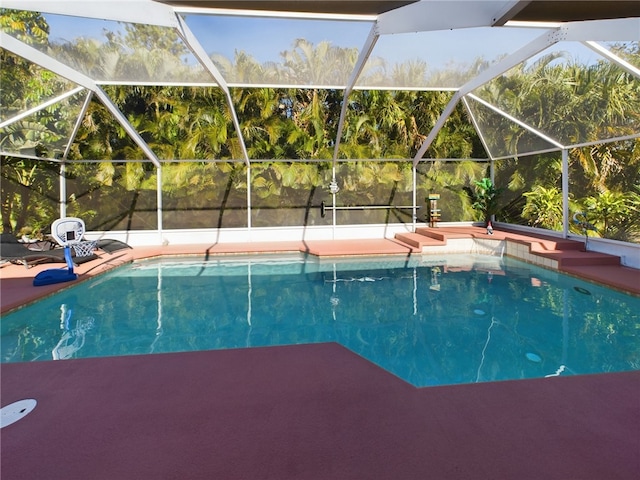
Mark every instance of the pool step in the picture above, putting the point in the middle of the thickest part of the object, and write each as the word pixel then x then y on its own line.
pixel 566 252
pixel 417 240
pixel 432 233
pixel 553 245
pixel 568 258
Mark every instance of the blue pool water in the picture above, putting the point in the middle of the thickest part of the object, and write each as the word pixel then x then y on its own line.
pixel 429 320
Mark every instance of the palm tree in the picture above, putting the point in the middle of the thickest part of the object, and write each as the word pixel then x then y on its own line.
pixel 321 64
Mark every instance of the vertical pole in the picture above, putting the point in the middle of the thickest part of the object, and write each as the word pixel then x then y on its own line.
pixel 492 176
pixel 63 189
pixel 565 193
pixel 415 197
pixel 159 200
pixel 249 198
pixel 69 260
pixel 334 189
pixel 492 172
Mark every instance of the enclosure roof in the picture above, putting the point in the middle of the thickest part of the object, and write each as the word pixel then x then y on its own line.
pixel 349 7
pixel 522 11
pixel 467 47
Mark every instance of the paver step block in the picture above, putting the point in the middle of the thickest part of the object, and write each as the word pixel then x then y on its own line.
pixel 591 258
pixel 550 245
pixel 410 239
pixel 431 233
pixel 416 240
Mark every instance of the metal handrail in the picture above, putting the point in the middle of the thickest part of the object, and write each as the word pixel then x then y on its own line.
pixel 324 207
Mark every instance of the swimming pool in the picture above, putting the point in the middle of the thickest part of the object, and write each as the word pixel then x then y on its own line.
pixel 429 320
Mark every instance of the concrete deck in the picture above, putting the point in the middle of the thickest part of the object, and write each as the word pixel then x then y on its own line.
pixel 309 412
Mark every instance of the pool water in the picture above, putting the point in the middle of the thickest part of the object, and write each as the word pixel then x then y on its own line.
pixel 429 320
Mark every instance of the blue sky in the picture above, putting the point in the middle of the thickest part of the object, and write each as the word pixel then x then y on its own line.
pixel 62 27
pixel 264 38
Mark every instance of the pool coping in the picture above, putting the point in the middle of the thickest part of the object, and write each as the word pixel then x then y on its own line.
pixel 16 287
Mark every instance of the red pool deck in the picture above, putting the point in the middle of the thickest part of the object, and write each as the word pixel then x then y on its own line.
pixel 304 411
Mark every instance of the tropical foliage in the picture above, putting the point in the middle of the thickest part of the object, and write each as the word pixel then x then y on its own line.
pixel 543 207
pixel 290 138
pixel 485 197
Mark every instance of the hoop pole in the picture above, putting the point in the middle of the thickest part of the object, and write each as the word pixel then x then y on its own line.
pixel 67 257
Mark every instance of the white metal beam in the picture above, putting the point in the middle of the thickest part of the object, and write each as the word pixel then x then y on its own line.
pixel 565 193
pixel 507 63
pixel 532 48
pixel 448 110
pixel 618 30
pixel 131 11
pixel 601 141
pixel 513 119
pixel 45 61
pixel 511 12
pixel 242 12
pixel 41 106
pixel 477 127
pixel 133 133
pixel 39 58
pixel 62 182
pixel 431 15
pixel 357 70
pixel 192 42
pixel 528 154
pixel 609 55
pixel 76 127
pixel 574 145
pixel 159 204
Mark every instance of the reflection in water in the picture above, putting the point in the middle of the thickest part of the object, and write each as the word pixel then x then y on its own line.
pixel 73 338
pixel 159 329
pixel 435 279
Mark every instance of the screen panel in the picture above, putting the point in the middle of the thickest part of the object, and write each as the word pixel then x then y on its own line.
pixel 280 51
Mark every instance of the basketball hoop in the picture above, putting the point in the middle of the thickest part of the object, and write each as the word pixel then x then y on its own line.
pixel 84 249
pixel 68 232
